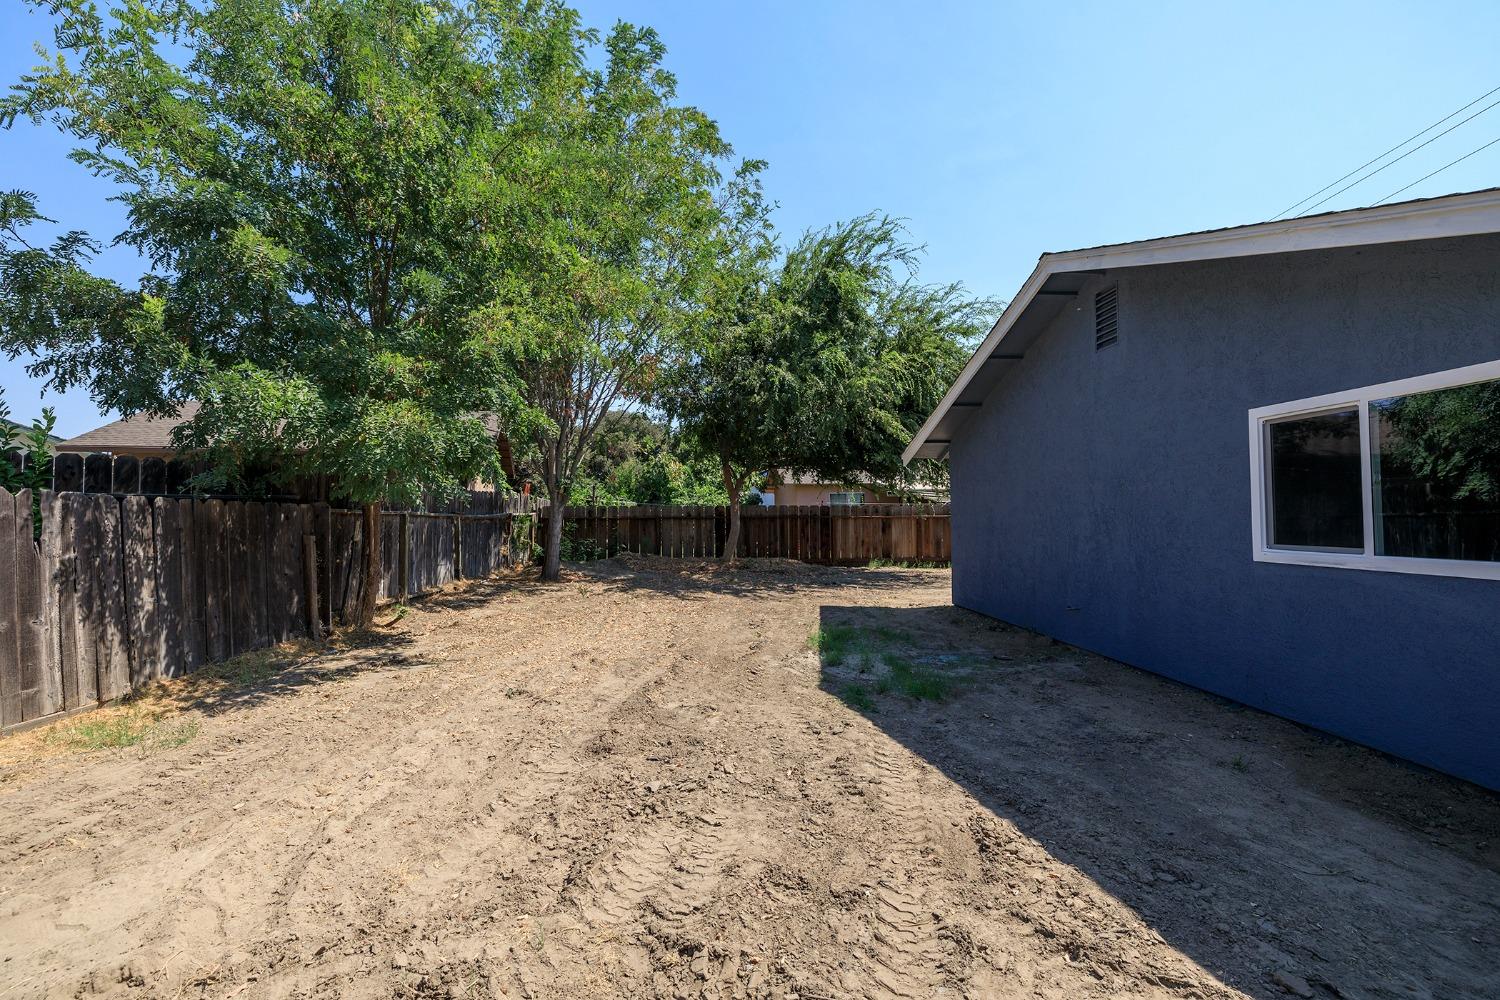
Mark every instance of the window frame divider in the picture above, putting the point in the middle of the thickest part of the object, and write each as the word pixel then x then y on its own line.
pixel 1260 419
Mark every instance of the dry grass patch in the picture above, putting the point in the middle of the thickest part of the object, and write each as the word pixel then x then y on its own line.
pixel 148 730
pixel 161 716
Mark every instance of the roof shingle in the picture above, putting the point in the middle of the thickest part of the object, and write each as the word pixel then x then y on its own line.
pixel 139 431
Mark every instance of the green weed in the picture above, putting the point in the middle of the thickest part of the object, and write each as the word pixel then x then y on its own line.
pixel 246 669
pixel 130 727
pixel 915 680
pixel 898 673
pixel 835 643
pixel 857 696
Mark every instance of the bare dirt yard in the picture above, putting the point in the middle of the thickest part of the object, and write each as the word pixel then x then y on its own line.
pixel 668 779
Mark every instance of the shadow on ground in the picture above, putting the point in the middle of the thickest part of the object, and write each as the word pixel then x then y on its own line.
pixel 1280 859
pixel 257 677
pixel 706 579
pixel 262 675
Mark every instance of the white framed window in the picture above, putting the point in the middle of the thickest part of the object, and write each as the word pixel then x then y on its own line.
pixel 846 499
pixel 1402 477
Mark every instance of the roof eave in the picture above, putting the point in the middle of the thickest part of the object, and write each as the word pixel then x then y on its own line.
pixel 1472 214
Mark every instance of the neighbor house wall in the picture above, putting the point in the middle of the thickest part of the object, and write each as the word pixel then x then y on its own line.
pixel 819 494
pixel 1104 497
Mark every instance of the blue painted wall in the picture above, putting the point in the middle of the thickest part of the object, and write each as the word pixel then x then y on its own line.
pixel 1104 497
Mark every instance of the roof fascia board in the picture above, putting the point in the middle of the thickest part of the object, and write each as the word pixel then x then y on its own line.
pixel 1008 317
pixel 1464 216
pixel 1457 215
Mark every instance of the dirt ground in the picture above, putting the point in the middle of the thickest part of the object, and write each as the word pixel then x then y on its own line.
pixel 646 782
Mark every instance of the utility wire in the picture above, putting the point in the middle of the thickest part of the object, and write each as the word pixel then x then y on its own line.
pixel 1382 156
pixel 1437 171
pixel 1397 160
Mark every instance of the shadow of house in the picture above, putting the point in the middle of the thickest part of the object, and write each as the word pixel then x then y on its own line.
pixel 1251 844
pixel 708 579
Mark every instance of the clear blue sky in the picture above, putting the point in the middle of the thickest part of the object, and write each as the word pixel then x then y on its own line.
pixel 1004 130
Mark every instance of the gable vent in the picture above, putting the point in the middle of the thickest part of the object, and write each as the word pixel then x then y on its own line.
pixel 1106 317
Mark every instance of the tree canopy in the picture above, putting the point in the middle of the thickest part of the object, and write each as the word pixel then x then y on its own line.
pixel 375 230
pixel 636 459
pixel 330 200
pixel 824 363
pixel 620 211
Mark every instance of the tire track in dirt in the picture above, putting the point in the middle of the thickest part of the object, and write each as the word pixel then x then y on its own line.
pixel 485 821
pixel 905 957
pixel 640 784
pixel 663 871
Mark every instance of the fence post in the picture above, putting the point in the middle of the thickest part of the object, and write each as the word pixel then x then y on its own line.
pixel 310 583
pixel 323 528
pixel 403 557
pixel 458 546
pixel 11 668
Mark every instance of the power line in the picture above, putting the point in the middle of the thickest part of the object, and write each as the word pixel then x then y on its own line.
pixel 1382 156
pixel 1437 171
pixel 1397 160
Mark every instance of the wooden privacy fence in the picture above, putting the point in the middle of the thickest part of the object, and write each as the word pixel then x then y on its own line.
pixel 852 535
pixel 113 592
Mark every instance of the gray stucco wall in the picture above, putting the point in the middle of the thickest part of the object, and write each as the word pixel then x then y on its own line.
pixel 1104 497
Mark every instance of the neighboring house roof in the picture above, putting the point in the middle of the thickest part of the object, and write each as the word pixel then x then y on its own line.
pixel 17 428
pixel 1059 277
pixel 140 432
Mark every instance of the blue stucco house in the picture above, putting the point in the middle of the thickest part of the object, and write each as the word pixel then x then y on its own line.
pixel 1264 461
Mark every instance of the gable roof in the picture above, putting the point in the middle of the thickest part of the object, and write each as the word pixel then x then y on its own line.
pixel 137 432
pixel 1060 276
pixel 17 428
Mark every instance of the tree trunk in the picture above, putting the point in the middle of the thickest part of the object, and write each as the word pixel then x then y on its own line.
pixel 732 536
pixel 371 591
pixel 552 561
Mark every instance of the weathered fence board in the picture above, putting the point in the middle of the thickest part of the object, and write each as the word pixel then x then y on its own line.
pixel 39 683
pixel 78 680
pixel 114 651
pixel 107 592
pixel 430 550
pixel 347 531
pixel 10 645
pixel 140 583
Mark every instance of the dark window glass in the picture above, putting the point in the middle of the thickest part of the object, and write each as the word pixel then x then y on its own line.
pixel 1436 473
pixel 1316 497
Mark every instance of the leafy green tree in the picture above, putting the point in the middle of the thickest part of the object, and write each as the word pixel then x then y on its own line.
pixel 34 446
pixel 331 195
pixel 621 203
pixel 1449 439
pixel 623 436
pixel 635 459
pixel 1438 469
pixel 824 364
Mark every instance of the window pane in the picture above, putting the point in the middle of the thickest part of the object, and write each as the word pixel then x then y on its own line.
pixel 1436 468
pixel 1316 496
